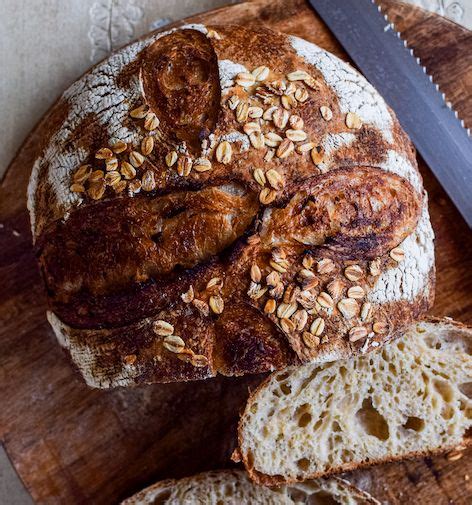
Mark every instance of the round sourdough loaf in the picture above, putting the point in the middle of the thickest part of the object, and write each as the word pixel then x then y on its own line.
pixel 220 200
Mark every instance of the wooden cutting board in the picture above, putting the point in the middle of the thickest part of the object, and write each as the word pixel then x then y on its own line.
pixel 74 445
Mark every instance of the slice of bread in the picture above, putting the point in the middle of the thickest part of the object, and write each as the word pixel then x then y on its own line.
pixel 411 398
pixel 234 487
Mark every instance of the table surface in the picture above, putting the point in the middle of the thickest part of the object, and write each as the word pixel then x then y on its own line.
pixel 39 61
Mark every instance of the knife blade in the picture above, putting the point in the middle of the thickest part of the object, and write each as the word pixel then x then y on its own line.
pixel 387 62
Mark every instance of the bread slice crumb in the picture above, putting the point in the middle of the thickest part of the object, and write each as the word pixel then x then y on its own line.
pixel 411 398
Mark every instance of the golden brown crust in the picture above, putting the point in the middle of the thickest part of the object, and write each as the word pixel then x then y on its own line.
pixel 139 239
pixel 259 253
pixel 357 215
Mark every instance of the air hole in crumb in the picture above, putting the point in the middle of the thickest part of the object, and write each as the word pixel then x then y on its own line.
pixel 301 409
pixel 401 346
pixel 372 421
pixel 441 374
pixel 285 388
pixel 296 495
pixel 304 419
pixel 392 369
pixel 229 490
pixel 303 464
pixel 310 378
pixel 336 427
pixel 431 342
pixel 444 390
pixel 254 408
pixel 345 454
pixel 414 423
pixel 162 497
pixel 318 424
pixel 323 498
pixel 447 412
pixel 282 377
pixel 466 389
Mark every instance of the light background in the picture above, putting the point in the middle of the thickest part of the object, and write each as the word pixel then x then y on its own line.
pixel 46 44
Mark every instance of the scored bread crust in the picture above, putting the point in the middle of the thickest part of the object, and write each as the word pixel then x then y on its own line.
pixel 233 485
pixel 455 331
pixel 115 262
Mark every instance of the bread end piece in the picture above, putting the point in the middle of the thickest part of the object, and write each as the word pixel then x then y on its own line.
pixel 233 486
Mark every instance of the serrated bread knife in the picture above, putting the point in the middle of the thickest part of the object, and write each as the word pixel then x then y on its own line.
pixel 383 57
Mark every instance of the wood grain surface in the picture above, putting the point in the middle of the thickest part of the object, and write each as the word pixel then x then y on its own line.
pixel 74 445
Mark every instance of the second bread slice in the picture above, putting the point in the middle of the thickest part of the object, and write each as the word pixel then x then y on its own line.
pixel 409 399
pixel 232 487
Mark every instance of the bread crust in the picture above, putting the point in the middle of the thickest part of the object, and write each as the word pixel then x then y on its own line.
pixel 276 480
pixel 116 262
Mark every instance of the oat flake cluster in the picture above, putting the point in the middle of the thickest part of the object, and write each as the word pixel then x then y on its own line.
pixel 267 114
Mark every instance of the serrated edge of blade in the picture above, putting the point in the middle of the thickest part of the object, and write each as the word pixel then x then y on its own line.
pixel 448 104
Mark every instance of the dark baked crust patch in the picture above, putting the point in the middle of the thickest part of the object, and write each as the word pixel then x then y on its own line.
pixel 180 82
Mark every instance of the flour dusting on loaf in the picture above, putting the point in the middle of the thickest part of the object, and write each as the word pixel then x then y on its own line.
pixel 207 207
pixel 228 70
pixel 85 358
pixel 354 92
pixel 96 93
pixel 410 277
pixel 331 144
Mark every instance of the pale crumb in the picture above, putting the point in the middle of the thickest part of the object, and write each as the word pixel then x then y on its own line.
pixel 373 409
